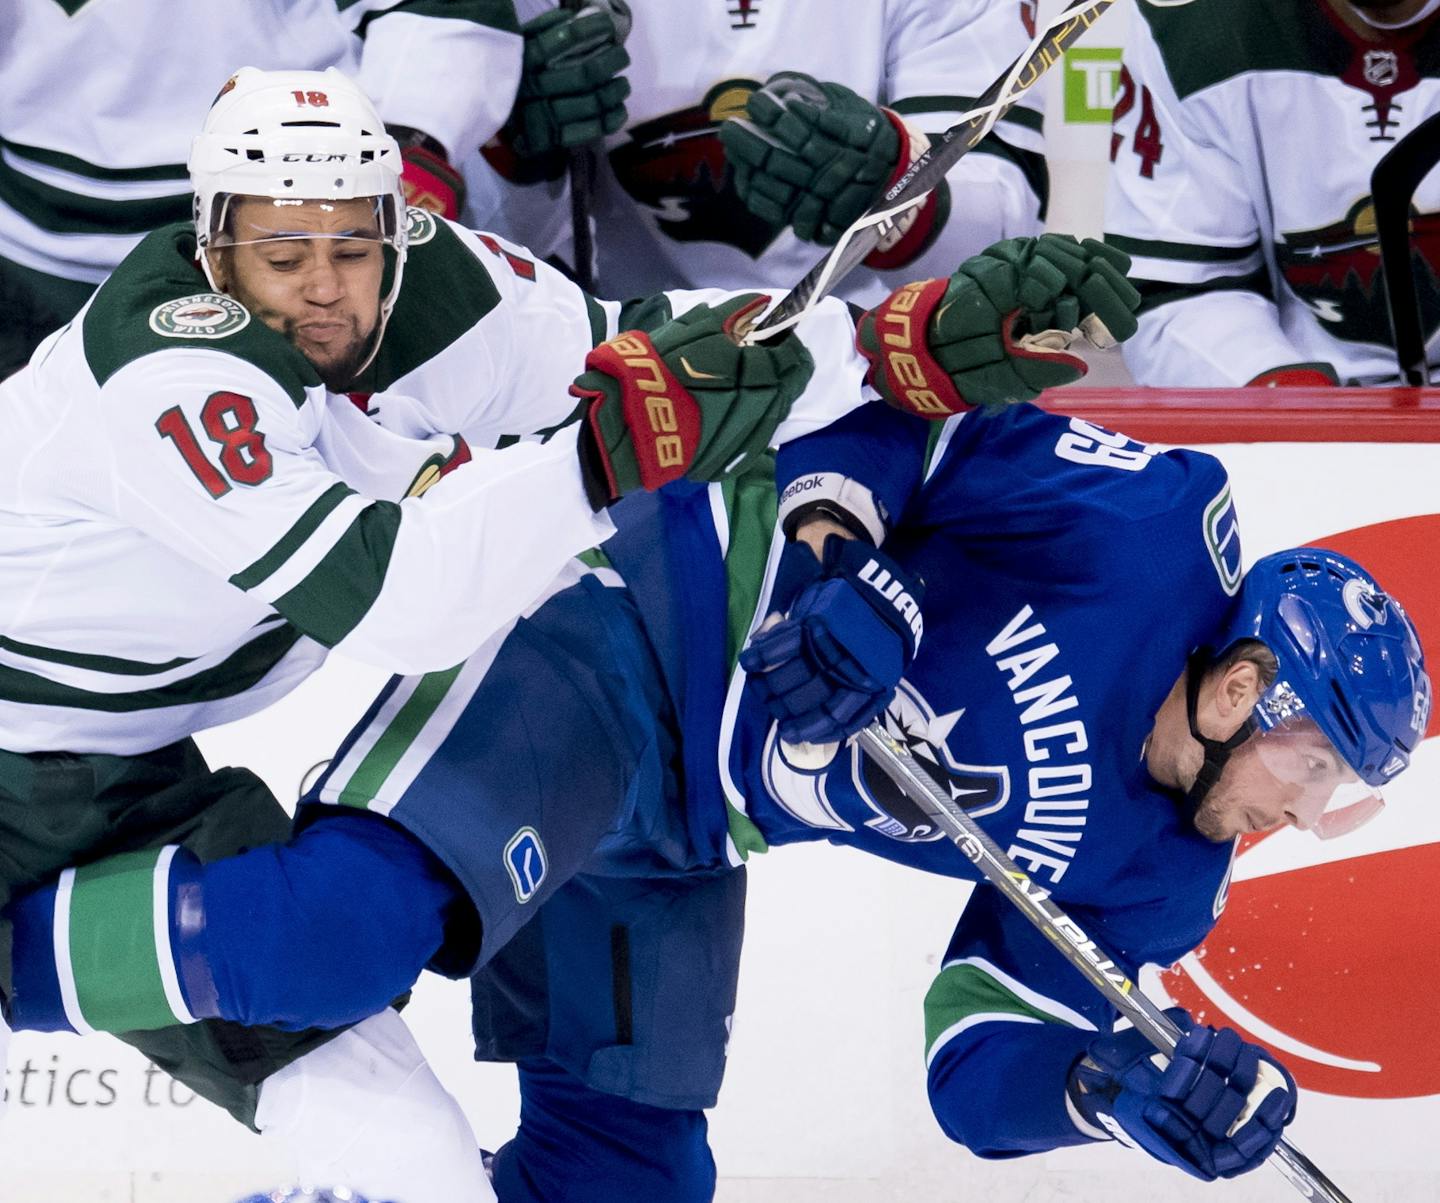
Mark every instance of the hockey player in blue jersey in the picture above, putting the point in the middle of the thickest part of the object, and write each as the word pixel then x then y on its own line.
pixel 1051 615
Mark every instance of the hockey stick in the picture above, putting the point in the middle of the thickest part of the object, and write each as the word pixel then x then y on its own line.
pixel 1392 187
pixel 581 166
pixel 1075 946
pixel 931 167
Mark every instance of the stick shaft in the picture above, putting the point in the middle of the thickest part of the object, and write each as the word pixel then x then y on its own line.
pixel 1062 931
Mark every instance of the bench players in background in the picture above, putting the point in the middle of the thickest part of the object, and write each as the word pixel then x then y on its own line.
pixel 98 102
pixel 1054 617
pixel 193 513
pixel 741 139
pixel 1244 139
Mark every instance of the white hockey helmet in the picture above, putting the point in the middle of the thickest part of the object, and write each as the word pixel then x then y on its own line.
pixel 295 136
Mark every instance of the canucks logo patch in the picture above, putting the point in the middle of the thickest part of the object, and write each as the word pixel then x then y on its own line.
pixel 419 226
pixel 205 315
pixel 525 862
pixel 1222 541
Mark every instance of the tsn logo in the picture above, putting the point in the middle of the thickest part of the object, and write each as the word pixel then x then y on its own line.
pixel 650 378
pixel 906 369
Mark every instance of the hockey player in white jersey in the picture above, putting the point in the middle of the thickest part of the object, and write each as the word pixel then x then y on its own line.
pixel 190 516
pixel 98 102
pixel 1244 140
pixel 742 138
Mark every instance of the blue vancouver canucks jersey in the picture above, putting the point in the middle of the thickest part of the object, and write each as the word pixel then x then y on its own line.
pixel 1069 572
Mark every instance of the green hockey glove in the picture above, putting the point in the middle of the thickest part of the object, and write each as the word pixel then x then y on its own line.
pixel 571 90
pixel 687 400
pixel 999 330
pixel 815 156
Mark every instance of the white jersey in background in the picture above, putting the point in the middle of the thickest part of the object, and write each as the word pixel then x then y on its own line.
pixel 1245 135
pixel 188 519
pixel 665 211
pixel 99 100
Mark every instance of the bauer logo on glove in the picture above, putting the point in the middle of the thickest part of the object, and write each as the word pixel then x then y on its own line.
pixel 999 330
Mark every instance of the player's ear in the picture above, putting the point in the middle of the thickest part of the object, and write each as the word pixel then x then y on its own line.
pixel 1238 689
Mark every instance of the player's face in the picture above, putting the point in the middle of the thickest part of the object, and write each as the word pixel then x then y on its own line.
pixel 321 292
pixel 1272 781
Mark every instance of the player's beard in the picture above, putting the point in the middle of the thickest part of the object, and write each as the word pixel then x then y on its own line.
pixel 337 365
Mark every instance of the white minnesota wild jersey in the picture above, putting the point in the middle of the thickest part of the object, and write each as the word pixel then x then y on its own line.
pixel 99 100
pixel 1244 139
pixel 188 520
pixel 666 211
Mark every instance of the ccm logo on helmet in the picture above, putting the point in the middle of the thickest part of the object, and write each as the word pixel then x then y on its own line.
pixel 314 158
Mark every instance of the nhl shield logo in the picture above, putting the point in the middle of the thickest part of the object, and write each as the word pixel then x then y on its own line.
pixel 1382 68
pixel 419 226
pixel 205 315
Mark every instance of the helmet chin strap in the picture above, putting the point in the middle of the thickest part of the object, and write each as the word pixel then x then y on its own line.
pixel 1217 751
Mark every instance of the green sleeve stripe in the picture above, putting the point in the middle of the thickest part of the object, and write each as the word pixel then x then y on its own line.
pixel 972 990
pixel 598 324
pixel 368 780
pixel 1155 293
pixel 114 665
pixel 339 591
pixel 1018 114
pixel 173 172
pixel 1187 252
pixel 752 511
pixel 494 14
pixel 238 672
pixel 114 959
pixel 646 313
pixel 594 557
pixel 60 212
pixel 305 526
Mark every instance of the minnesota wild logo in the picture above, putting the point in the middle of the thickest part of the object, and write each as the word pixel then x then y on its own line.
pixel 205 315
pixel 675 166
pixel 1335 270
pixel 419 226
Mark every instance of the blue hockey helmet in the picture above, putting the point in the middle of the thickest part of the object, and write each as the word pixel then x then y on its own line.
pixel 1351 676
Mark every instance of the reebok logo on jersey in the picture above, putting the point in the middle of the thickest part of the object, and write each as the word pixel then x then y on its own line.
pixel 205 315
pixel 896 594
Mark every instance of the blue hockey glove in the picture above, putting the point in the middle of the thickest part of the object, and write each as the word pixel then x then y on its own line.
pixel 831 664
pixel 1216 1110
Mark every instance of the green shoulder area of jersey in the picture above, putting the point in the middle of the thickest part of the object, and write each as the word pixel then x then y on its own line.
pixel 159 300
pixel 444 292
pixel 1206 42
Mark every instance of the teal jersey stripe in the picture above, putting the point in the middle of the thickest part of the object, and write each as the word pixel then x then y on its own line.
pixel 113 955
pixel 175 173
pixel 241 670
pixel 369 776
pixel 62 212
pixel 339 591
pixel 596 314
pixel 308 522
